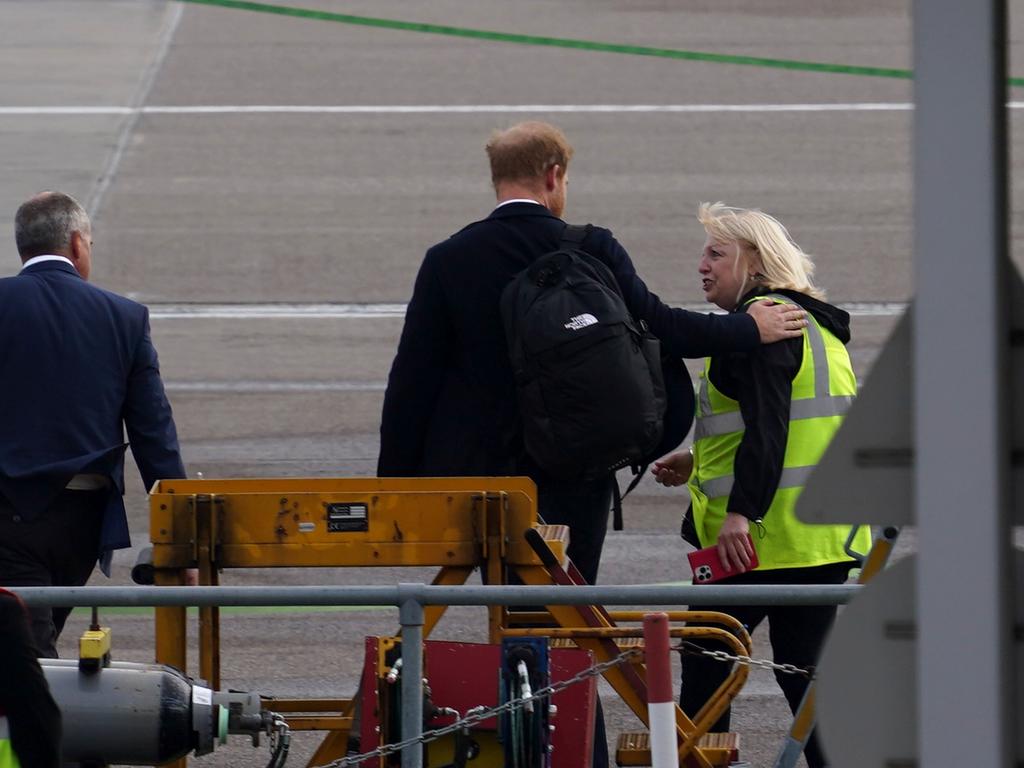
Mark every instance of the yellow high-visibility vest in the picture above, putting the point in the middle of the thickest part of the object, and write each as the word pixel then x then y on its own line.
pixel 7 757
pixel 823 389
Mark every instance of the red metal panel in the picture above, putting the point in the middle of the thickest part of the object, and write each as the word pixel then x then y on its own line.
pixel 465 675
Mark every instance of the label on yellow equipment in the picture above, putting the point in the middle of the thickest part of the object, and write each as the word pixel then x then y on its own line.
pixel 342 518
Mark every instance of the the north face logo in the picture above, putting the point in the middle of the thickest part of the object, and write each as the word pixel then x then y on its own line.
pixel 581 321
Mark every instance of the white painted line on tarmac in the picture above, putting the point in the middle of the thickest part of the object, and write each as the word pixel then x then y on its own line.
pixel 273 311
pixel 260 387
pixel 142 93
pixel 373 311
pixel 875 308
pixel 402 109
pixel 16 111
pixel 405 109
pixel 504 108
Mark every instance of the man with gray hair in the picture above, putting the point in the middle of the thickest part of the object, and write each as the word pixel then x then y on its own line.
pixel 79 370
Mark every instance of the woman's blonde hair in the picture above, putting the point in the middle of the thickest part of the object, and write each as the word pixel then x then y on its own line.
pixel 783 263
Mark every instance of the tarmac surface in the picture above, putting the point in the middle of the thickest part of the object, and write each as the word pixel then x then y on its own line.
pixel 267 184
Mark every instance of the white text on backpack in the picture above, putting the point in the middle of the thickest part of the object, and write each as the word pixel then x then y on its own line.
pixel 581 321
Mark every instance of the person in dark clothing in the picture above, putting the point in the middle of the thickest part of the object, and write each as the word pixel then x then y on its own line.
pixel 81 372
pixel 764 418
pixel 450 405
pixel 33 720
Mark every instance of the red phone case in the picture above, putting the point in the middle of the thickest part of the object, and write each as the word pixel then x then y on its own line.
pixel 707 566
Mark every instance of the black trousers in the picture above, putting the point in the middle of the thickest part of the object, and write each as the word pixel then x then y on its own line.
pixel 57 546
pixel 584 507
pixel 796 632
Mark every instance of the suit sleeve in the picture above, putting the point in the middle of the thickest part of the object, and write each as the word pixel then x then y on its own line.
pixel 416 376
pixel 681 332
pixel 147 416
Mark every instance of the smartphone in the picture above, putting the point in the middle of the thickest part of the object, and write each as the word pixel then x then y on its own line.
pixel 707 566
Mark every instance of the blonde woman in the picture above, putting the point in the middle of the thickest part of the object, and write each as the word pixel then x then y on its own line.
pixel 763 420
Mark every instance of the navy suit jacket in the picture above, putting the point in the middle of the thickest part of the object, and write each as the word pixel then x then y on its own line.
pixel 450 405
pixel 78 367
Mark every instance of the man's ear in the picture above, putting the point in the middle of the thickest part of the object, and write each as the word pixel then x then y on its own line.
pixel 551 177
pixel 76 247
pixel 79 251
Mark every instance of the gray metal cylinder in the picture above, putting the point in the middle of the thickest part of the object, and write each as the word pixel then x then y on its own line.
pixel 124 714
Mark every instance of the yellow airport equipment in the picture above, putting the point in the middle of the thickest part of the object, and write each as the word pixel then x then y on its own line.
pixel 94 646
pixel 455 524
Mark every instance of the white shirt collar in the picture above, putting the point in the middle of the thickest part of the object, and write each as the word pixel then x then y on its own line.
pixel 46 257
pixel 517 200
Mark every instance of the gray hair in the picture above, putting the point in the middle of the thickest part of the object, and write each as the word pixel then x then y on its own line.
pixel 45 223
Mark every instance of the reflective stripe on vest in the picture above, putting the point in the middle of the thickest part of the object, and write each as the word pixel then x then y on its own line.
pixel 792 477
pixel 822 389
pixel 823 403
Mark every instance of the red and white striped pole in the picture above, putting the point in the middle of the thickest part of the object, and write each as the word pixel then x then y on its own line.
pixel 661 708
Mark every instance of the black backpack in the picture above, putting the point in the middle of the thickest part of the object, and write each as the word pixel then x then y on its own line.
pixel 588 375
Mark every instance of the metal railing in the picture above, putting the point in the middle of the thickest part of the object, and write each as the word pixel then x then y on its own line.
pixel 428 594
pixel 411 598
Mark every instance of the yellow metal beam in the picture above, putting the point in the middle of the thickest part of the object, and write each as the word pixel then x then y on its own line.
pixel 446 577
pixel 308 705
pixel 340 522
pixel 169 623
pixel 455 524
pixel 335 723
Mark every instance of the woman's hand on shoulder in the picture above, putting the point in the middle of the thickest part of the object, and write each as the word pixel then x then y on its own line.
pixel 673 470
pixel 776 322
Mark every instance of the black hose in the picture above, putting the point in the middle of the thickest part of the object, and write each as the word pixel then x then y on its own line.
pixel 277 759
pixel 284 737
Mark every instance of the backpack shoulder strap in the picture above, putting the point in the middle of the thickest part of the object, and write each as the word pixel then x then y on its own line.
pixel 618 495
pixel 574 235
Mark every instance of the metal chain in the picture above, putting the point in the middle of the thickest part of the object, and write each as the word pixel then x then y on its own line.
pixel 484 714
pixel 692 649
pixel 279 740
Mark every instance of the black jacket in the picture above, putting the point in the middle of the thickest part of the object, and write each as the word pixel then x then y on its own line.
pixel 80 369
pixel 32 715
pixel 450 405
